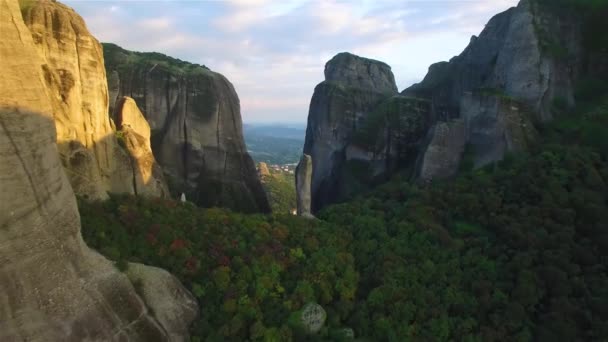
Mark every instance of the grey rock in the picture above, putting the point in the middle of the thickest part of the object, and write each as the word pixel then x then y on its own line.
pixel 303 183
pixel 511 56
pixel 196 124
pixel 360 131
pixel 443 154
pixel 495 125
pixel 170 303
pixel 359 72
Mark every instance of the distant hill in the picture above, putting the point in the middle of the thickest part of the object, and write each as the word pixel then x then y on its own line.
pixel 275 144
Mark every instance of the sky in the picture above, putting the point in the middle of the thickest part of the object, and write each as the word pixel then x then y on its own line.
pixel 274 52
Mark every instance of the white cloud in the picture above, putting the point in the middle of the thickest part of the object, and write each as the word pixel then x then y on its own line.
pixel 274 52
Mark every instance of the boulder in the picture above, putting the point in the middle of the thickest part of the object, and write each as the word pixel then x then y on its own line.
pixel 170 303
pixel 303 182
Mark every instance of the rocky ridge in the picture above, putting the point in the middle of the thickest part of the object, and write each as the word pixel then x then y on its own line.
pixel 525 63
pixel 52 286
pixel 72 65
pixel 196 124
pixel 487 102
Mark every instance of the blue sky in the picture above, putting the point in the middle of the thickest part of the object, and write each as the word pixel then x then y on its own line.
pixel 274 52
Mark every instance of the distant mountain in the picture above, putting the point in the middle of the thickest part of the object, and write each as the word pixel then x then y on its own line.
pixel 275 144
pixel 290 131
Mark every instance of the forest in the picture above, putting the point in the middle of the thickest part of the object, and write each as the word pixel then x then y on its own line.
pixel 515 251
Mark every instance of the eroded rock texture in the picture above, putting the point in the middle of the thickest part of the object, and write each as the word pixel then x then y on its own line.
pixel 52 286
pixel 303 184
pixel 172 305
pixel 134 136
pixel 195 118
pixel 71 60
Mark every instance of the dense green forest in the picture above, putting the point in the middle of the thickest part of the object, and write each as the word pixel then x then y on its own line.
pixel 280 188
pixel 516 251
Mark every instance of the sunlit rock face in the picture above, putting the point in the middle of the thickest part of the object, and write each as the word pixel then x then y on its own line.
pixel 195 117
pixel 71 60
pixel 133 134
pixel 52 286
pixel 360 130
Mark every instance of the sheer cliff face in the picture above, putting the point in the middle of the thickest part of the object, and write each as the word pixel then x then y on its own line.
pixel 196 126
pixel 72 64
pixel 359 129
pixel 52 286
pixel 518 54
pixel 524 61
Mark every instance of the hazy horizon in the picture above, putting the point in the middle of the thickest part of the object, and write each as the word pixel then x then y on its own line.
pixel 275 52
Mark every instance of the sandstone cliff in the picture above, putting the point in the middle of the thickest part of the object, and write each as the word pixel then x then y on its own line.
pixel 195 118
pixel 133 133
pixel 359 129
pixel 72 64
pixel 52 286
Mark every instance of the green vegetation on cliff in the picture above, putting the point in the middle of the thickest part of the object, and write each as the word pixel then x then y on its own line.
pixel 513 252
pixel 124 60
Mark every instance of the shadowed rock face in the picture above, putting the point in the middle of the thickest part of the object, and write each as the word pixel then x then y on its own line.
pixel 52 286
pixel 359 130
pixel 512 56
pixel 506 79
pixel 71 61
pixel 196 126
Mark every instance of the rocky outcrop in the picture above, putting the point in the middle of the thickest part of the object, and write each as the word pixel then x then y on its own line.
pixel 263 170
pixel 303 183
pixel 134 135
pixel 52 286
pixel 443 153
pixel 195 118
pixel 526 60
pixel 171 304
pixel 71 60
pixel 515 55
pixel 359 129
pixel 495 126
pixel 363 73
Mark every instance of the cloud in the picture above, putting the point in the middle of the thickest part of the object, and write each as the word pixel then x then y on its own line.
pixel 274 52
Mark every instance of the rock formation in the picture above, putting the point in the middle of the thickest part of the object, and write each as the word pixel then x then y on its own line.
pixel 359 129
pixel 524 61
pixel 487 101
pixel 52 286
pixel 263 170
pixel 195 118
pixel 173 306
pixel 303 183
pixel 134 135
pixel 72 64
